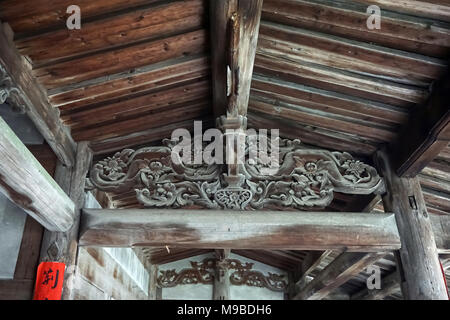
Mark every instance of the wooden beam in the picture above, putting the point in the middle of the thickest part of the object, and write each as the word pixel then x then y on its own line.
pixel 26 183
pixel 63 246
pixel 247 15
pixel 44 116
pixel 418 253
pixel 221 289
pixel 311 262
pixel 342 269
pixel 389 285
pixel 441 231
pixel 209 229
pixel 426 134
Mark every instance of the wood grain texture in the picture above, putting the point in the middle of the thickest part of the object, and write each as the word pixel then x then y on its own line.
pixel 40 197
pixel 418 254
pixel 208 229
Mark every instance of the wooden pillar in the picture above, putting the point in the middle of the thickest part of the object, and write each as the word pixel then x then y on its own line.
pixel 222 276
pixel 153 282
pixel 63 246
pixel 418 254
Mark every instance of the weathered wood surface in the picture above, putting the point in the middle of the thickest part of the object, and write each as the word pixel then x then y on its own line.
pixel 348 19
pixel 16 289
pixel 26 183
pixel 96 268
pixel 230 229
pixel 389 284
pixel 63 246
pixel 339 271
pixel 311 262
pixel 426 134
pixel 418 253
pixel 221 286
pixel 43 115
pixel 441 231
pixel 248 15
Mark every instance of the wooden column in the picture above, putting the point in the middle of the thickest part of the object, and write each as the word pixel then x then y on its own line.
pixel 63 246
pixel 222 276
pixel 26 183
pixel 153 282
pixel 418 253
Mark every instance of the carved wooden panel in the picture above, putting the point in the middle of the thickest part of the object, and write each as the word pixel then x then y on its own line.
pixel 203 273
pixel 304 178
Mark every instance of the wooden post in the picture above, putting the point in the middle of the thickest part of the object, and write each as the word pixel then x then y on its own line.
pixel 153 282
pixel 26 183
pixel 63 246
pixel 222 276
pixel 418 253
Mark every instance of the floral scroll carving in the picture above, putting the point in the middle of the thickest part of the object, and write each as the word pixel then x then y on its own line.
pixel 203 273
pixel 303 179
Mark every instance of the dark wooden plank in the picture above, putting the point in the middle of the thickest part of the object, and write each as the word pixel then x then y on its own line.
pixel 222 229
pixel 119 60
pixel 142 24
pixel 348 19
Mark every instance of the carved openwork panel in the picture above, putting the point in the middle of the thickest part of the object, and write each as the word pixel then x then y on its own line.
pixel 301 178
pixel 203 273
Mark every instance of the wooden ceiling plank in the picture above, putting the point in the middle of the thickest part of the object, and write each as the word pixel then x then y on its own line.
pixel 194 110
pixel 348 19
pixel 310 117
pixel 171 72
pixel 312 135
pixel 303 45
pixel 144 137
pixel 311 96
pixel 436 9
pixel 142 24
pixel 339 80
pixel 111 62
pixel 29 16
pixel 135 106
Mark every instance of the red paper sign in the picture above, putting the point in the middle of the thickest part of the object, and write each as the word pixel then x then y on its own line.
pixel 49 281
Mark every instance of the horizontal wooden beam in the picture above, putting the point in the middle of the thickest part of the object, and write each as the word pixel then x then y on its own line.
pixel 26 183
pixel 212 229
pixel 339 271
pixel 44 116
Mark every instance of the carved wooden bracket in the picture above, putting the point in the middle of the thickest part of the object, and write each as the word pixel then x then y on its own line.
pixel 203 273
pixel 303 179
pixel 10 93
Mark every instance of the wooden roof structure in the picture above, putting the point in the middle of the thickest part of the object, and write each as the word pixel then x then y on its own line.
pixel 138 69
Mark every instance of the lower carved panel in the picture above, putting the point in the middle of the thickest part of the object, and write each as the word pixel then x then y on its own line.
pixel 203 273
